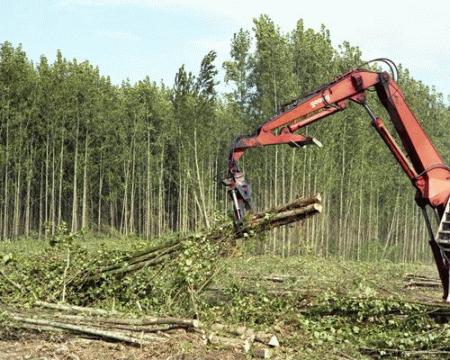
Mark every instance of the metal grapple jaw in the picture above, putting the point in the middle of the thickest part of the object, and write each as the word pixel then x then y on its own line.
pixel 239 192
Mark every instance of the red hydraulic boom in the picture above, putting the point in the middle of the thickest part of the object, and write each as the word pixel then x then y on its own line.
pixel 419 159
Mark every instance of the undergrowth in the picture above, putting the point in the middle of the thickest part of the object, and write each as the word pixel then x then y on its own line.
pixel 358 309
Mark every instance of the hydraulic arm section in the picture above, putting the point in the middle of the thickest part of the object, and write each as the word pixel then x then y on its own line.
pixel 419 158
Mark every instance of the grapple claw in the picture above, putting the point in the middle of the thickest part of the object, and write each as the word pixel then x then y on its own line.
pixel 239 191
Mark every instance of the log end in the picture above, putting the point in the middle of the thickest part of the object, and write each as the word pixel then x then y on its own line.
pixel 262 353
pixel 273 342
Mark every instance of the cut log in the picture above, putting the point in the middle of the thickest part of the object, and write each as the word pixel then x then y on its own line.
pixel 227 342
pixel 74 308
pixel 108 335
pixel 261 352
pixel 297 203
pixel 267 339
pixel 37 328
pixel 413 280
pixel 241 331
pixel 244 332
pixel 276 278
pixel 271 278
pixel 277 219
pixel 426 284
pixel 143 321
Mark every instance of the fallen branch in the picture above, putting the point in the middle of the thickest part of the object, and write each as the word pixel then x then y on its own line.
pixel 108 335
pixel 74 308
pixel 144 321
pixel 426 284
pixel 127 324
pixel 11 282
pixel 276 278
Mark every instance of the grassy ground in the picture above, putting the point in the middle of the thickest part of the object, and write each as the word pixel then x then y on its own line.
pixel 319 308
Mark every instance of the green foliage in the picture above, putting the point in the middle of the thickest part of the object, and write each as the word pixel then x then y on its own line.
pixel 327 307
pixel 371 322
pixel 63 237
pixel 173 286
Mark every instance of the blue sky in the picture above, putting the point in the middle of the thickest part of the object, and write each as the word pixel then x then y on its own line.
pixel 135 38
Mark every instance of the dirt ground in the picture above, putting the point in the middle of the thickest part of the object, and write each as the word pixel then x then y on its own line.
pixel 42 347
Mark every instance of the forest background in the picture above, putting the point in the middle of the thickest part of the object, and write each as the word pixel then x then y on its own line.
pixel 147 158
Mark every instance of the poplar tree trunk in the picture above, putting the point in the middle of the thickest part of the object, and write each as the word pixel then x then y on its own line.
pixel 360 211
pixel 5 183
pixel 341 192
pixel 28 196
pixel 160 194
pixel 84 205
pixel 148 211
pixel 61 178
pixel 201 185
pixel 132 195
pixel 99 205
pixel 41 196
pixel 16 220
pixel 124 216
pixel 75 183
pixel 46 191
pixel 52 193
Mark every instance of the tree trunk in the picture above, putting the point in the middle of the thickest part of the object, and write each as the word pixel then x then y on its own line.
pixel 28 196
pixel 16 220
pixel 52 192
pixel 61 177
pixel 124 216
pixel 201 185
pixel 148 213
pixel 160 194
pixel 360 211
pixel 46 191
pixel 5 184
pixel 75 187
pixel 132 193
pixel 84 205
pixel 341 192
pixel 99 206
pixel 41 207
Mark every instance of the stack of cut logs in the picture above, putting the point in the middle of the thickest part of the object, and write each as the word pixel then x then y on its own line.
pixel 414 280
pixel 115 326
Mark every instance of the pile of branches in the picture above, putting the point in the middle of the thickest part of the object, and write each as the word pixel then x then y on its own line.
pixel 115 326
pixel 223 235
pixel 208 244
pixel 97 323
